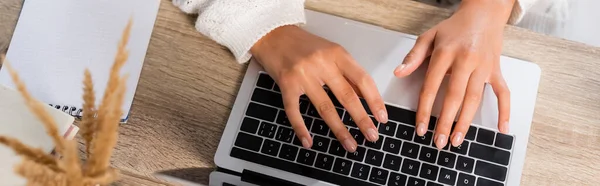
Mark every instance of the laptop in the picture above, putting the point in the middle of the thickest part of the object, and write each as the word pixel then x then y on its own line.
pixel 259 147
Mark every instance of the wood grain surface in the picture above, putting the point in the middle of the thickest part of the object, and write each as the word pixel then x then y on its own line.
pixel 188 85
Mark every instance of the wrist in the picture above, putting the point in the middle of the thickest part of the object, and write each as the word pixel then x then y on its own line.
pixel 498 11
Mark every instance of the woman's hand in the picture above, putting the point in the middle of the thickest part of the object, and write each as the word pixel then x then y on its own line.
pixel 468 45
pixel 301 63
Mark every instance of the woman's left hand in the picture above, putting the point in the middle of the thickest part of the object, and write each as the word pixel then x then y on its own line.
pixel 468 45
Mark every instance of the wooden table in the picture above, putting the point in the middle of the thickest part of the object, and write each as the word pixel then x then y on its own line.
pixel 189 83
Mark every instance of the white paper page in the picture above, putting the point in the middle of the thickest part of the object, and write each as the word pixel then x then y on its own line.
pixel 54 41
pixel 18 122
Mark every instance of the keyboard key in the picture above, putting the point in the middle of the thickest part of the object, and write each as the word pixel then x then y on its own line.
pixel 405 132
pixel 298 142
pixel 391 145
pixel 307 122
pixel 304 105
pixel 432 122
pixel 376 145
pixel 337 149
pixel 489 153
pixel 471 133
pixel 267 97
pixel 425 139
pixel 320 127
pixel 261 112
pixel 295 168
pixel 312 111
pixel 428 154
pixel 378 175
pixel 410 150
pixel 358 155
pixel 392 162
pixel 447 176
pixel 465 164
pixel 429 172
pixel 288 152
pixel 374 157
pixel 265 81
pixel 412 181
pixel 489 170
pixel 249 125
pixel 485 136
pixel 433 184
pixel 465 180
pixel 401 115
pixel 348 120
pixel 276 88
pixel 342 166
pixel 446 159
pixel 485 182
pixel 397 179
pixel 267 130
pixel 340 112
pixel 320 143
pixel 388 129
pixel 375 122
pixel 306 157
pixel 410 167
pixel 324 161
pixel 284 134
pixel 270 147
pixel 503 141
pixel 357 135
pixel 282 119
pixel 461 149
pixel 248 141
pixel 360 171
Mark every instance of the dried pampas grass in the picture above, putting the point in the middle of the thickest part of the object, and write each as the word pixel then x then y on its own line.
pixel 98 130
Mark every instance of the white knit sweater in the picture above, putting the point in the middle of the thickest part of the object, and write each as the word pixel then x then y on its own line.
pixel 238 24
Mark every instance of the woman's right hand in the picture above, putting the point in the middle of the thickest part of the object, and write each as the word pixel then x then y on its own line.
pixel 301 63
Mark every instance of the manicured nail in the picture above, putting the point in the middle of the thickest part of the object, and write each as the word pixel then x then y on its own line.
pixel 504 128
pixel 383 117
pixel 349 145
pixel 421 129
pixel 305 143
pixel 372 135
pixel 440 141
pixel 457 140
pixel 400 68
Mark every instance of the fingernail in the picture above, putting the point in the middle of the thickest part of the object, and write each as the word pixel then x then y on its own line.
pixel 457 140
pixel 372 134
pixel 504 128
pixel 400 68
pixel 349 145
pixel 441 141
pixel 421 130
pixel 305 143
pixel 383 117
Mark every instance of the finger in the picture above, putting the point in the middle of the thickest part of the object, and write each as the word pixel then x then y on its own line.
pixel 329 114
pixel 470 105
pixel 416 56
pixel 348 98
pixel 440 62
pixel 357 76
pixel 454 97
pixel 503 94
pixel 291 103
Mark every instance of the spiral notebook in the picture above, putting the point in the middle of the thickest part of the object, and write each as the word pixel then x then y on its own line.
pixel 55 41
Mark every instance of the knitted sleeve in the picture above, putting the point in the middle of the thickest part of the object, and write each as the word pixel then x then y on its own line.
pixel 238 24
pixel 519 9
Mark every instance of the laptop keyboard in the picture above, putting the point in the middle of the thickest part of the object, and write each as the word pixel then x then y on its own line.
pixel 399 157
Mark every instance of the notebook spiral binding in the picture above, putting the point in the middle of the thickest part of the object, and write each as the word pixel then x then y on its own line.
pixel 71 110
